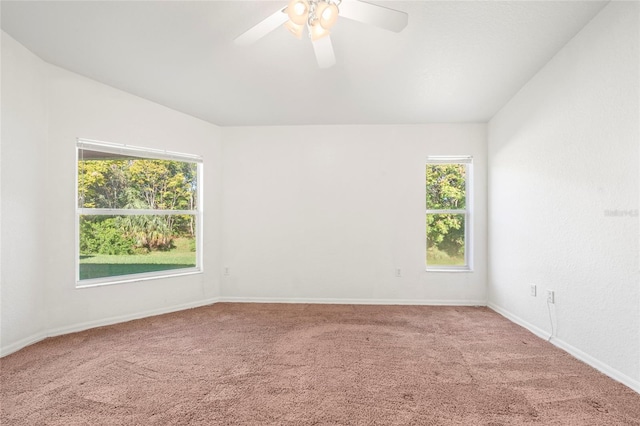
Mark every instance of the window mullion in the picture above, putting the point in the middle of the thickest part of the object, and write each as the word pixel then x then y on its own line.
pixel 447 211
pixel 132 212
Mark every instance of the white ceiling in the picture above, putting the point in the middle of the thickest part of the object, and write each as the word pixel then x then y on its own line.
pixel 455 62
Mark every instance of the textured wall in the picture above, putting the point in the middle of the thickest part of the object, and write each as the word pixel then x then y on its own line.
pixel 327 213
pixel 23 168
pixel 79 107
pixel 563 196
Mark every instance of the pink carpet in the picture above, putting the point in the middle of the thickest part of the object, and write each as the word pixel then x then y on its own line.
pixel 257 364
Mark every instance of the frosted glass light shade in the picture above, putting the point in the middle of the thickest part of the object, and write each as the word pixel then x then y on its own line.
pixel 295 29
pixel 316 31
pixel 298 11
pixel 327 14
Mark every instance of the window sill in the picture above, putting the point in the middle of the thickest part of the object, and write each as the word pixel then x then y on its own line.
pixel 99 282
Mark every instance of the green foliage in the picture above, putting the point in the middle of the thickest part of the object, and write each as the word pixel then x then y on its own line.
pixel 103 183
pixel 445 232
pixel 136 184
pixel 102 236
pixel 445 186
pixel 148 232
pixel 445 189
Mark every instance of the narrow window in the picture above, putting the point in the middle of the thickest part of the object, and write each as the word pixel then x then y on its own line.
pixel 138 213
pixel 448 217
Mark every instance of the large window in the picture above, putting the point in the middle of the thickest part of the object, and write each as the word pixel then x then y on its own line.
pixel 448 202
pixel 138 213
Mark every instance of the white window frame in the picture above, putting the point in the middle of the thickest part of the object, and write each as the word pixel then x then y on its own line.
pixel 154 154
pixel 467 160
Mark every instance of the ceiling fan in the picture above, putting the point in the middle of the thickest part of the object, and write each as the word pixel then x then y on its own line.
pixel 318 17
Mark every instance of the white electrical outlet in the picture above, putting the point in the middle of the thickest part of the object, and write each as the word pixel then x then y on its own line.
pixel 551 296
pixel 532 290
pixel 398 272
pixel 227 271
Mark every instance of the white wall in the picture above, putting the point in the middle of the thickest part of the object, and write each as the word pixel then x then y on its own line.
pixel 23 167
pixel 562 154
pixel 43 121
pixel 327 213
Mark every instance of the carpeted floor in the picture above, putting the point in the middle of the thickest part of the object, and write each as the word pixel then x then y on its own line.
pixel 253 364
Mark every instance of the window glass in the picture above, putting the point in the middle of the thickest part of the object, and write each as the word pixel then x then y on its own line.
pixel 122 245
pixel 137 215
pixel 445 239
pixel 447 213
pixel 446 186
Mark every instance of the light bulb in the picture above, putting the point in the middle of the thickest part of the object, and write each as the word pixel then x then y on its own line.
pixel 298 10
pixel 327 14
pixel 316 30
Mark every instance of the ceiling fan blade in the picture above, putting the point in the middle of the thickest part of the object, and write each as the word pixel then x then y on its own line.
pixel 383 17
pixel 324 52
pixel 263 28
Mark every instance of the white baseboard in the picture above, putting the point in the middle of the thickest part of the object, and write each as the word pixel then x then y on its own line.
pixel 14 347
pixel 543 334
pixel 577 353
pixel 335 301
